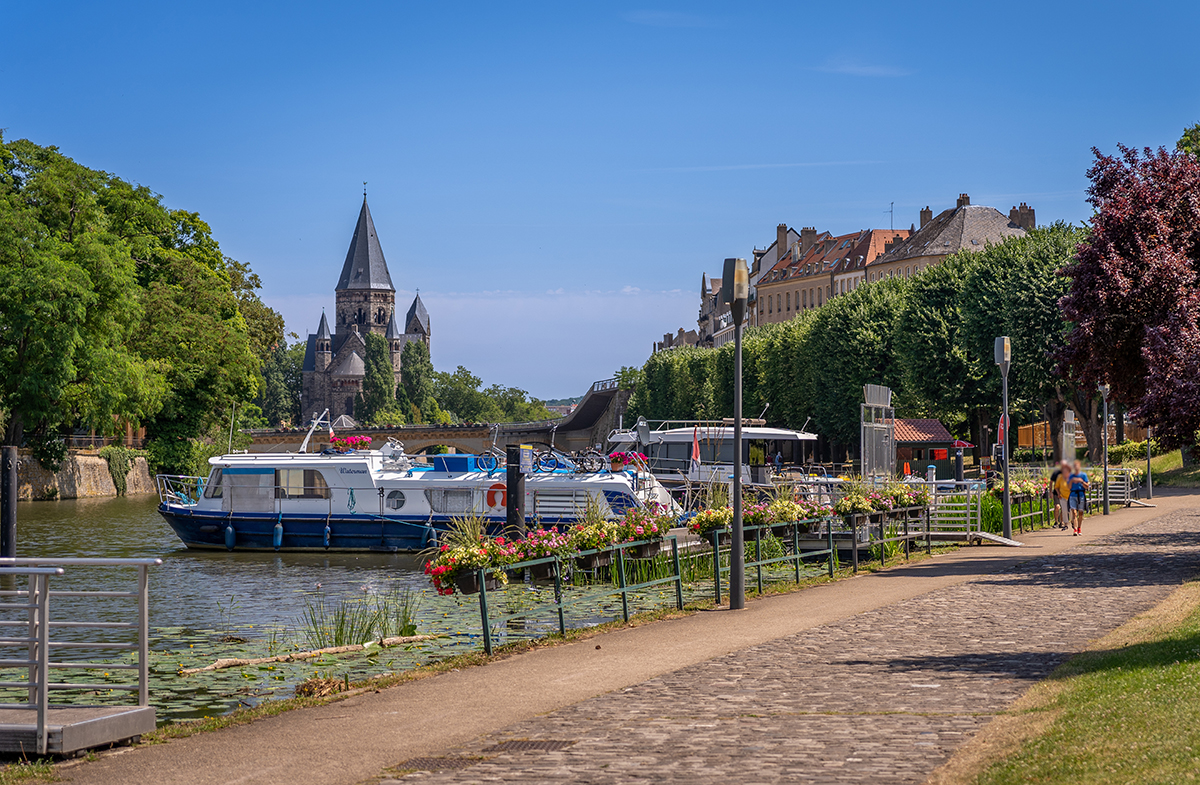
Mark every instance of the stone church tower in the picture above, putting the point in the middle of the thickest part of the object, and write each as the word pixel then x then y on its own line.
pixel 365 302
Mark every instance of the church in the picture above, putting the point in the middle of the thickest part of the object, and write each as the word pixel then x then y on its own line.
pixel 334 361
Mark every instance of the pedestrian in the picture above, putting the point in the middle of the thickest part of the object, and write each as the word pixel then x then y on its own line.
pixel 1060 487
pixel 778 462
pixel 1078 499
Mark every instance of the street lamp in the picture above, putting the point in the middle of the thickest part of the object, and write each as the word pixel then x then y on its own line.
pixel 1003 352
pixel 1104 394
pixel 738 274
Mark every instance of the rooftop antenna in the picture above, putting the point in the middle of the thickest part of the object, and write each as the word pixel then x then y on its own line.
pixel 891 211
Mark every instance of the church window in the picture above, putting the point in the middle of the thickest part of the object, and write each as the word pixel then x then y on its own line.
pixel 350 405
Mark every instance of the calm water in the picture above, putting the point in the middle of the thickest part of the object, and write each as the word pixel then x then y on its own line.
pixel 196 589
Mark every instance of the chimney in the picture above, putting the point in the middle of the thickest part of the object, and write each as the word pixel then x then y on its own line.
pixel 1022 216
pixel 808 238
pixel 963 200
pixel 781 242
pixel 927 215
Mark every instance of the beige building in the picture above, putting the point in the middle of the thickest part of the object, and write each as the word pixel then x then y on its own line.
pixel 965 227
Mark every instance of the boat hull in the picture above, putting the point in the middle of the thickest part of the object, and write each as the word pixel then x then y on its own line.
pixel 203 530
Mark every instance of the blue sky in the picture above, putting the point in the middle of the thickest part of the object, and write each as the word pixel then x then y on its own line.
pixel 554 177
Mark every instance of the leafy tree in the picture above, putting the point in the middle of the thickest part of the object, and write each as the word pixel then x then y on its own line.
pixel 1134 299
pixel 1190 141
pixel 264 325
pixel 416 375
pixel 459 395
pixel 378 391
pixel 69 307
pixel 282 375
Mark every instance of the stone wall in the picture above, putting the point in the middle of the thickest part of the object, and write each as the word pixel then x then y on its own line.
pixel 81 476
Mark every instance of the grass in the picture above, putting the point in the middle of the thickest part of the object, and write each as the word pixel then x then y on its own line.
pixel 351 621
pixel 27 771
pixel 1170 472
pixel 1126 711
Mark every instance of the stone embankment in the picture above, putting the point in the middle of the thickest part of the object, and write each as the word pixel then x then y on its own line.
pixel 81 476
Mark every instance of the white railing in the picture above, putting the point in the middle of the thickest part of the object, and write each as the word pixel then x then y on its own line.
pixel 37 626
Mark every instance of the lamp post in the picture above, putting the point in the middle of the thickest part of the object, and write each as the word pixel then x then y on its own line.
pixel 1149 474
pixel 1104 424
pixel 737 272
pixel 1003 353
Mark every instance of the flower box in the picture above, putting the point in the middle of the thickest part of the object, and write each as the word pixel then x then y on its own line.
pixel 468 582
pixel 594 561
pixel 542 572
pixel 646 550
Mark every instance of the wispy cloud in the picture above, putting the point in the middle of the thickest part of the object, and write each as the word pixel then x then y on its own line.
pixel 668 19
pixel 852 67
pixel 739 167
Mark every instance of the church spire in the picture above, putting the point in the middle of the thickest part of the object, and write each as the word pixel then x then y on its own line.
pixel 365 267
pixel 323 333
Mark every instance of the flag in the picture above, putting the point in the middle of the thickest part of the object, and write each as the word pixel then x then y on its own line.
pixel 695 466
pixel 330 431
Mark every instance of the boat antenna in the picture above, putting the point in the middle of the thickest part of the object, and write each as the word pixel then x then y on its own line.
pixel 764 411
pixel 232 417
pixel 802 427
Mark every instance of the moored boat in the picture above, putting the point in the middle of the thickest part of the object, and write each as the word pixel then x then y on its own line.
pixel 377 500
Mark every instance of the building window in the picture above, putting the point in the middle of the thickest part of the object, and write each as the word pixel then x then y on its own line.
pixel 907 272
pixel 789 301
pixel 805 298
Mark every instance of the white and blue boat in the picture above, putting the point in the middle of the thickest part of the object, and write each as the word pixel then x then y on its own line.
pixel 378 500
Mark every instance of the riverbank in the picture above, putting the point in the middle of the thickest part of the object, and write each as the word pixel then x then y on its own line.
pixel 830 653
pixel 81 476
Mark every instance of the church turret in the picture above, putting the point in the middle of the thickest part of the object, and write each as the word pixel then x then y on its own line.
pixel 416 323
pixel 396 342
pixel 324 348
pixel 365 295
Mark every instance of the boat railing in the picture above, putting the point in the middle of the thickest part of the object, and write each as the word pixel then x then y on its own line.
pixel 31 633
pixel 179 489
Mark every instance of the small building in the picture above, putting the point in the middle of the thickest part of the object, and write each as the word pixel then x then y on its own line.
pixel 921 443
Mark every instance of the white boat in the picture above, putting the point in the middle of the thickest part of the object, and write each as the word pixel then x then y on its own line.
pixel 378 499
pixel 668 450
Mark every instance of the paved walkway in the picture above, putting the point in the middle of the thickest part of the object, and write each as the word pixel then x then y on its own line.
pixel 874 679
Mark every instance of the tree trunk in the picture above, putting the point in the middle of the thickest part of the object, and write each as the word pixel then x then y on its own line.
pixel 1120 424
pixel 1055 414
pixel 1088 415
pixel 14 431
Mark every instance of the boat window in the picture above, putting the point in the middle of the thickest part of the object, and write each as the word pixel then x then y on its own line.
pixel 212 489
pixel 451 501
pixel 300 484
pixel 395 500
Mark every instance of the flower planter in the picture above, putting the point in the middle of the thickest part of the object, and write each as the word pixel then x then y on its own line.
pixel 783 529
pixel 468 582
pixel 724 538
pixel 645 551
pixel 617 466
pixel 542 572
pixel 594 561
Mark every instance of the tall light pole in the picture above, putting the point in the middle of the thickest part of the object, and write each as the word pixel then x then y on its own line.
pixel 1104 394
pixel 737 273
pixel 1003 352
pixel 1149 474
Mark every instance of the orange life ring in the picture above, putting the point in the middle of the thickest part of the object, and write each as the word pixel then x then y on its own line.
pixel 498 489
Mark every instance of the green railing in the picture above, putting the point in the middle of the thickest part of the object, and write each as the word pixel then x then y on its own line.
pixel 796 557
pixel 560 604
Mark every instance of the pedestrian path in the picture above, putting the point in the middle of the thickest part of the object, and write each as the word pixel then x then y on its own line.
pixel 873 679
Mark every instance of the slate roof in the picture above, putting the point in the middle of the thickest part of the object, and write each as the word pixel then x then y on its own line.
pixel 365 267
pixel 921 431
pixel 310 354
pixel 393 330
pixel 842 253
pixel 323 330
pixel 971 226
pixel 352 367
pixel 417 317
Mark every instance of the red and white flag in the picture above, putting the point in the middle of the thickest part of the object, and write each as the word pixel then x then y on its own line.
pixel 695 467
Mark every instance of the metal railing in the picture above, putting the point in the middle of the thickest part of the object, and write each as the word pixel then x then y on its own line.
pixel 39 645
pixel 754 534
pixel 560 604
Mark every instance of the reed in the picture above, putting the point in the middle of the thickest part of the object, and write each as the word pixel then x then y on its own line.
pixel 351 621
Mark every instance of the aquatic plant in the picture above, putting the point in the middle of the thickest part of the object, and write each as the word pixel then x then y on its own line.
pixel 358 620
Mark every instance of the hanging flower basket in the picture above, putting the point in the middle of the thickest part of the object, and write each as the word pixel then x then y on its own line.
pixel 468 582
pixel 594 561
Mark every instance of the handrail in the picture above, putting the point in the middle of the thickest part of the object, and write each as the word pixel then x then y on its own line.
pixel 559 604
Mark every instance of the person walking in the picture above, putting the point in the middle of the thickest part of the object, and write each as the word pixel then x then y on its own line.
pixel 1078 498
pixel 778 462
pixel 1060 489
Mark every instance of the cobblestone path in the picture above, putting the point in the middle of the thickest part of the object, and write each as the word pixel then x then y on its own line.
pixel 883 697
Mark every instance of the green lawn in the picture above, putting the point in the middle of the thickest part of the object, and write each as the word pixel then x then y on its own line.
pixel 1170 472
pixel 1129 713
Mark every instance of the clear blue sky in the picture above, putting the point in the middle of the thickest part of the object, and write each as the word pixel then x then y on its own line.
pixel 568 170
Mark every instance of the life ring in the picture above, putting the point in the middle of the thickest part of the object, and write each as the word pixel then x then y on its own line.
pixel 498 489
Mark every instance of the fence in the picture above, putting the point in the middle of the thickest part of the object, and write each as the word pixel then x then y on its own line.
pixel 1123 488
pixel 38 645
pixel 554 564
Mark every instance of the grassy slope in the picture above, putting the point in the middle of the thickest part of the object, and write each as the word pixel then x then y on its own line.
pixel 1128 712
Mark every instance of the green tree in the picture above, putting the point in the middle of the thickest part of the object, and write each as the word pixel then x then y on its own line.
pixel 378 396
pixel 416 375
pixel 1190 141
pixel 69 306
pixel 282 375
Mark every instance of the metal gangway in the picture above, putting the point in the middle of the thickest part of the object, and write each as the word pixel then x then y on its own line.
pixel 35 643
pixel 1123 489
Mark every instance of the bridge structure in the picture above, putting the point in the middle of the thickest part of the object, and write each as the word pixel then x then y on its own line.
pixel 586 427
